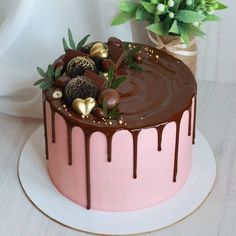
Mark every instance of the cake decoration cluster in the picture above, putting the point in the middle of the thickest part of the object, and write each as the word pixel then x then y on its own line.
pixel 85 79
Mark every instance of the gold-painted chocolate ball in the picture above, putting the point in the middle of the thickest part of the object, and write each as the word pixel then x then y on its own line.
pixel 99 50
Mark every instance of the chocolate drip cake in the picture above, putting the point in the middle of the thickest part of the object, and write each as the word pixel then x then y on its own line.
pixel 119 123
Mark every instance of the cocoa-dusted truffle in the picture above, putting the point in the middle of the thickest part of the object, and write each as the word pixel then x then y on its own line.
pixel 80 87
pixel 78 65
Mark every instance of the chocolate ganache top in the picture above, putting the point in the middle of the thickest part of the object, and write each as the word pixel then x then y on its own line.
pixel 158 94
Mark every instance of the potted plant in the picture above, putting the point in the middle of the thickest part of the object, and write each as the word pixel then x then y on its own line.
pixel 172 25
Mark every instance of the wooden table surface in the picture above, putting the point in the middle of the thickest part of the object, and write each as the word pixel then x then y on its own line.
pixel 217 216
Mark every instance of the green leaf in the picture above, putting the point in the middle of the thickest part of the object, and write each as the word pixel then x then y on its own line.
pixel 174 28
pixel 71 40
pixel 191 30
pixel 49 73
pixel 127 6
pixel 221 6
pixel 187 16
pixel 57 73
pixel 167 23
pixel 212 18
pixel 104 105
pixel 133 51
pixel 118 81
pixel 122 18
pixel 126 46
pixel 46 84
pixel 110 75
pixel 139 13
pixel 41 72
pixel 150 7
pixel 39 82
pixel 176 6
pixel 157 28
pixel 114 113
pixel 135 66
pixel 65 46
pixel 184 33
pixel 82 42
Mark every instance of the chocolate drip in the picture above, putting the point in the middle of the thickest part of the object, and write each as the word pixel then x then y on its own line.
pixel 189 121
pixel 135 151
pixel 176 148
pixel 53 125
pixel 87 135
pixel 109 146
pixel 69 137
pixel 45 124
pixel 194 119
pixel 160 129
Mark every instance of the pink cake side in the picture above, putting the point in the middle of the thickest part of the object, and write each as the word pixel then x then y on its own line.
pixel 112 185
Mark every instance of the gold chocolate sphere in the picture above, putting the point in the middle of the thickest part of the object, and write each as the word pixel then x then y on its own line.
pixel 99 50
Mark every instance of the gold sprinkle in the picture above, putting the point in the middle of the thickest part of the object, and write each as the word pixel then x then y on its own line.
pixel 157 56
pixel 69 114
pixel 109 117
pixel 94 121
pixel 140 52
pixel 65 109
pixel 125 123
pixel 130 46
pixel 82 116
pixel 146 48
pixel 178 62
pixel 59 108
pixel 141 118
pixel 87 116
pixel 120 122
pixel 105 123
pixel 122 118
pixel 99 122
pixel 110 123
pixel 64 105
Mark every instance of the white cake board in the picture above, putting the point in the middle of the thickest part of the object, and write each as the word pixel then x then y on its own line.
pixel 38 187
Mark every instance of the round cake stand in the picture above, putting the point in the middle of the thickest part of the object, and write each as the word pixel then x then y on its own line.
pixel 38 187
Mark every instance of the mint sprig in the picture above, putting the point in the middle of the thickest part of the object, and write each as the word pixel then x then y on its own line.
pixel 72 45
pixel 48 77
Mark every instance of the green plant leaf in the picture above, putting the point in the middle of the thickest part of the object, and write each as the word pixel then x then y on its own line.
pixel 110 75
pixel 57 73
pixel 128 6
pixel 118 81
pixel 49 73
pixel 156 28
pixel 71 40
pixel 65 46
pixel 150 7
pixel 104 106
pixel 139 13
pixel 39 81
pixel 187 16
pixel 174 28
pixel 176 6
pixel 212 18
pixel 184 33
pixel 82 42
pixel 122 18
pixel 46 84
pixel 221 6
pixel 191 30
pixel 135 66
pixel 167 23
pixel 114 113
pixel 41 72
